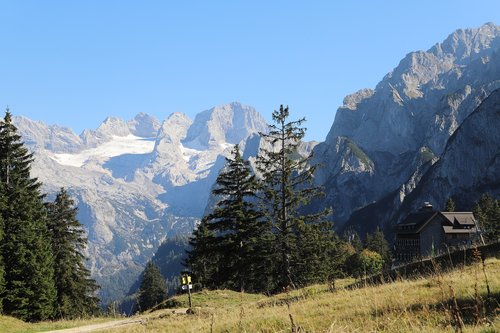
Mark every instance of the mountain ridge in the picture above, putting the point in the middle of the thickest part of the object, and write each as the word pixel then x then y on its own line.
pixel 404 125
pixel 136 182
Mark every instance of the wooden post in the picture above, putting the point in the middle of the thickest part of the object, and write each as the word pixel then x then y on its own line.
pixel 186 283
pixel 189 293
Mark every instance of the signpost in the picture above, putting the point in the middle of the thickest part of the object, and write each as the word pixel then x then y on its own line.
pixel 186 284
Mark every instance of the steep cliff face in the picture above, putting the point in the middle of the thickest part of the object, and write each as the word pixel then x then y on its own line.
pixel 137 182
pixel 446 82
pixel 393 134
pixel 470 163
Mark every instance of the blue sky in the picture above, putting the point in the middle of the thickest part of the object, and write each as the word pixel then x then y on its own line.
pixel 75 62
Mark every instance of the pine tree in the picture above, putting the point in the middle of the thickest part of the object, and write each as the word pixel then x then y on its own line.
pixel 153 289
pixel 287 186
pixel 319 257
pixel 351 237
pixel 2 266
pixel 28 262
pixel 203 256
pixel 450 205
pixel 75 289
pixel 376 242
pixel 236 226
pixel 487 213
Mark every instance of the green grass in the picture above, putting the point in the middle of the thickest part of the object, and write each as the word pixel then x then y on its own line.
pixel 418 305
pixel 364 159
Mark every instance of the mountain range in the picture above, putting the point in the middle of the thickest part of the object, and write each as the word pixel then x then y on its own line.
pixel 137 182
pixel 427 132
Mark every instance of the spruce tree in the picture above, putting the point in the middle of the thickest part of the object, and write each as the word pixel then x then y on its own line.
pixel 376 242
pixel 319 257
pixel 236 226
pixel 75 289
pixel 202 257
pixel 153 289
pixel 2 267
pixel 287 184
pixel 351 237
pixel 487 213
pixel 450 205
pixel 26 250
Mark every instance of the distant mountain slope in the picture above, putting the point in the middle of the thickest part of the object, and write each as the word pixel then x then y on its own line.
pixel 470 164
pixel 382 141
pixel 468 167
pixel 137 182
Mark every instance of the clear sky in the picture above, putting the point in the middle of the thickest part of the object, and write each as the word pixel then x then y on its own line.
pixel 75 62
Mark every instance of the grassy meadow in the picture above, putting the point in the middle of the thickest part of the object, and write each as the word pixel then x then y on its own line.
pixel 443 302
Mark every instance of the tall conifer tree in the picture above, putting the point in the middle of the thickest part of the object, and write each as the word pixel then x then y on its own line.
pixel 450 205
pixel 75 289
pixel 28 262
pixel 287 185
pixel 153 289
pixel 202 257
pixel 376 242
pixel 2 266
pixel 487 212
pixel 236 228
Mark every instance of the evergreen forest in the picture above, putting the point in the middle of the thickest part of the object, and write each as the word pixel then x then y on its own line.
pixel 42 263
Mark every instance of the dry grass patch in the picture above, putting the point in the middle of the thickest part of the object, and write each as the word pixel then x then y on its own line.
pixel 420 305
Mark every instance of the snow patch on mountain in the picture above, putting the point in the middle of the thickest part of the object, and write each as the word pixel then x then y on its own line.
pixel 118 145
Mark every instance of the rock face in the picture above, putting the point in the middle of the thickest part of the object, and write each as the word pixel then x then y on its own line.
pixel 470 163
pixel 383 141
pixel 137 182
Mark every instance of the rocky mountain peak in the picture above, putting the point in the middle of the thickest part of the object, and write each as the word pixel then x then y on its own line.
pixel 174 128
pixel 421 103
pixel 407 97
pixel 51 137
pixel 351 101
pixel 468 43
pixel 229 123
pixel 144 125
pixel 113 126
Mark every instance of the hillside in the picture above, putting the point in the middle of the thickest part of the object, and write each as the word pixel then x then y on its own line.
pixel 420 305
pixel 383 141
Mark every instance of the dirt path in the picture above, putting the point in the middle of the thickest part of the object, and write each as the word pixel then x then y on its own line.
pixel 113 324
pixel 98 327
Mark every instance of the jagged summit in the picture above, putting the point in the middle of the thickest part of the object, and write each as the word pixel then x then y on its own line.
pixel 403 126
pixel 113 126
pixel 468 43
pixel 411 90
pixel 50 137
pixel 137 181
pixel 229 123
pixel 144 125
